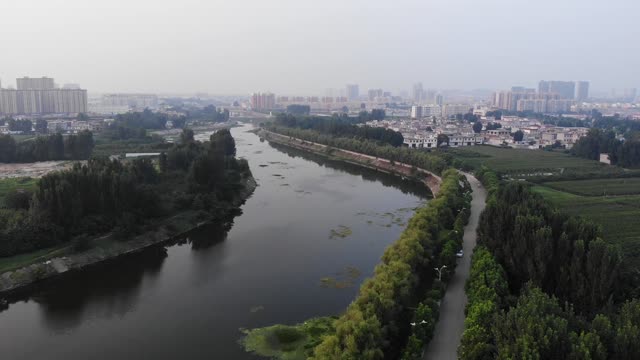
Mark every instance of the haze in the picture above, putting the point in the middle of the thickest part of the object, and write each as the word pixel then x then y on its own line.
pixel 301 46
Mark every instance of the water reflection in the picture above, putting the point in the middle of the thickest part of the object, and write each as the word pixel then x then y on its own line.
pixel 112 289
pixel 407 186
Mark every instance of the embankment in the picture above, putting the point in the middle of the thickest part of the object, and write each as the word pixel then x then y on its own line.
pixel 431 180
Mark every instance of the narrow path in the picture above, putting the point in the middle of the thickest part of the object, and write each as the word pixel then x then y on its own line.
pixel 448 332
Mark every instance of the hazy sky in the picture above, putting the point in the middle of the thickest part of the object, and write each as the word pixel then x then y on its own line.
pixel 307 46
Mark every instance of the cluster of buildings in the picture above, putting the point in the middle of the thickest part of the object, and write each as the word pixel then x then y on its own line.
pixel 550 97
pixel 438 110
pixel 111 104
pixel 263 101
pixel 425 133
pixel 37 96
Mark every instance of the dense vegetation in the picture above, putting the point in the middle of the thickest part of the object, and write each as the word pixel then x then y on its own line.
pixel 377 323
pixel 623 153
pixel 108 195
pixel 341 126
pixel 543 285
pixel 298 109
pixel 134 125
pixel 44 148
pixel 565 256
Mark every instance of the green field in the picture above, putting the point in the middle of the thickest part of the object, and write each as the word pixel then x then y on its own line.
pixel 8 185
pixel 525 163
pixel 598 187
pixel 618 215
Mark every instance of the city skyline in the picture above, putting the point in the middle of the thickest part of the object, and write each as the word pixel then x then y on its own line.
pixel 170 47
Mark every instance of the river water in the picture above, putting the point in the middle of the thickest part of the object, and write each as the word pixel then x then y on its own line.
pixel 306 239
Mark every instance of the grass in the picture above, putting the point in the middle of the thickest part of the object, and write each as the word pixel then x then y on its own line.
pixel 107 147
pixel 618 216
pixel 20 138
pixel 12 184
pixel 598 187
pixel 18 261
pixel 287 342
pixel 525 163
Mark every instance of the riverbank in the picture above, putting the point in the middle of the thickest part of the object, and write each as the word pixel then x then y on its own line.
pixel 62 260
pixel 431 180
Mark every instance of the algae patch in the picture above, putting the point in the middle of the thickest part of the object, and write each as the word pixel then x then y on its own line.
pixel 343 279
pixel 341 231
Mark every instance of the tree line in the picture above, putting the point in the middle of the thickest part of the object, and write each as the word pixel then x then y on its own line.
pixel 45 148
pixel 113 196
pixel 376 325
pixel 419 159
pixel 134 125
pixel 544 285
pixel 341 126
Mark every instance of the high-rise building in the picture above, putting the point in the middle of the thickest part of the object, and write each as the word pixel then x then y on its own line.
pixel 133 101
pixel 417 93
pixel 353 91
pixel 566 89
pixel 416 112
pixel 43 83
pixel 375 94
pixel 582 90
pixel 439 99
pixel 629 95
pixel 39 96
pixel 263 101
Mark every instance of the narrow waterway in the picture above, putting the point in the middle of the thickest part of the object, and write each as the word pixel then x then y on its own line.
pixel 309 235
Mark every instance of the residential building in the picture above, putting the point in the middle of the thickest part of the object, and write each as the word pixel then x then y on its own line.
pixel 416 112
pixel 39 96
pixel 417 93
pixel 133 101
pixel 565 89
pixel 43 83
pixel 263 101
pixel 375 94
pixel 353 91
pixel 582 90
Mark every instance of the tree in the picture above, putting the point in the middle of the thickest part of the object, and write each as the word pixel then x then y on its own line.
pixel 518 136
pixel 41 126
pixel 186 136
pixel 443 139
pixel 299 109
pixel 82 117
pixel 7 148
pixel 477 127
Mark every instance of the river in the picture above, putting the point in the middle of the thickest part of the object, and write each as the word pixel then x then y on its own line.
pixel 306 239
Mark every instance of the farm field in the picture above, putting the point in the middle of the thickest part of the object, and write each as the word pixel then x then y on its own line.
pixel 598 187
pixel 618 216
pixel 526 163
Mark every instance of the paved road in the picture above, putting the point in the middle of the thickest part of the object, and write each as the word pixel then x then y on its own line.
pixel 448 332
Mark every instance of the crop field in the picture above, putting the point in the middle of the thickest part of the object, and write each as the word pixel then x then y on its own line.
pixel 598 187
pixel 525 163
pixel 618 215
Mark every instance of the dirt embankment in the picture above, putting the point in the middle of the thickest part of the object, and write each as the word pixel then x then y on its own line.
pixel 430 179
pixel 33 170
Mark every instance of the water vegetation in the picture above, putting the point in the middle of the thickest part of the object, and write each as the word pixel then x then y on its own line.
pixel 341 231
pixel 288 342
pixel 343 279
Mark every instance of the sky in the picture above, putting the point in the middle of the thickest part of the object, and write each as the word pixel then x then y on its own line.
pixel 307 46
